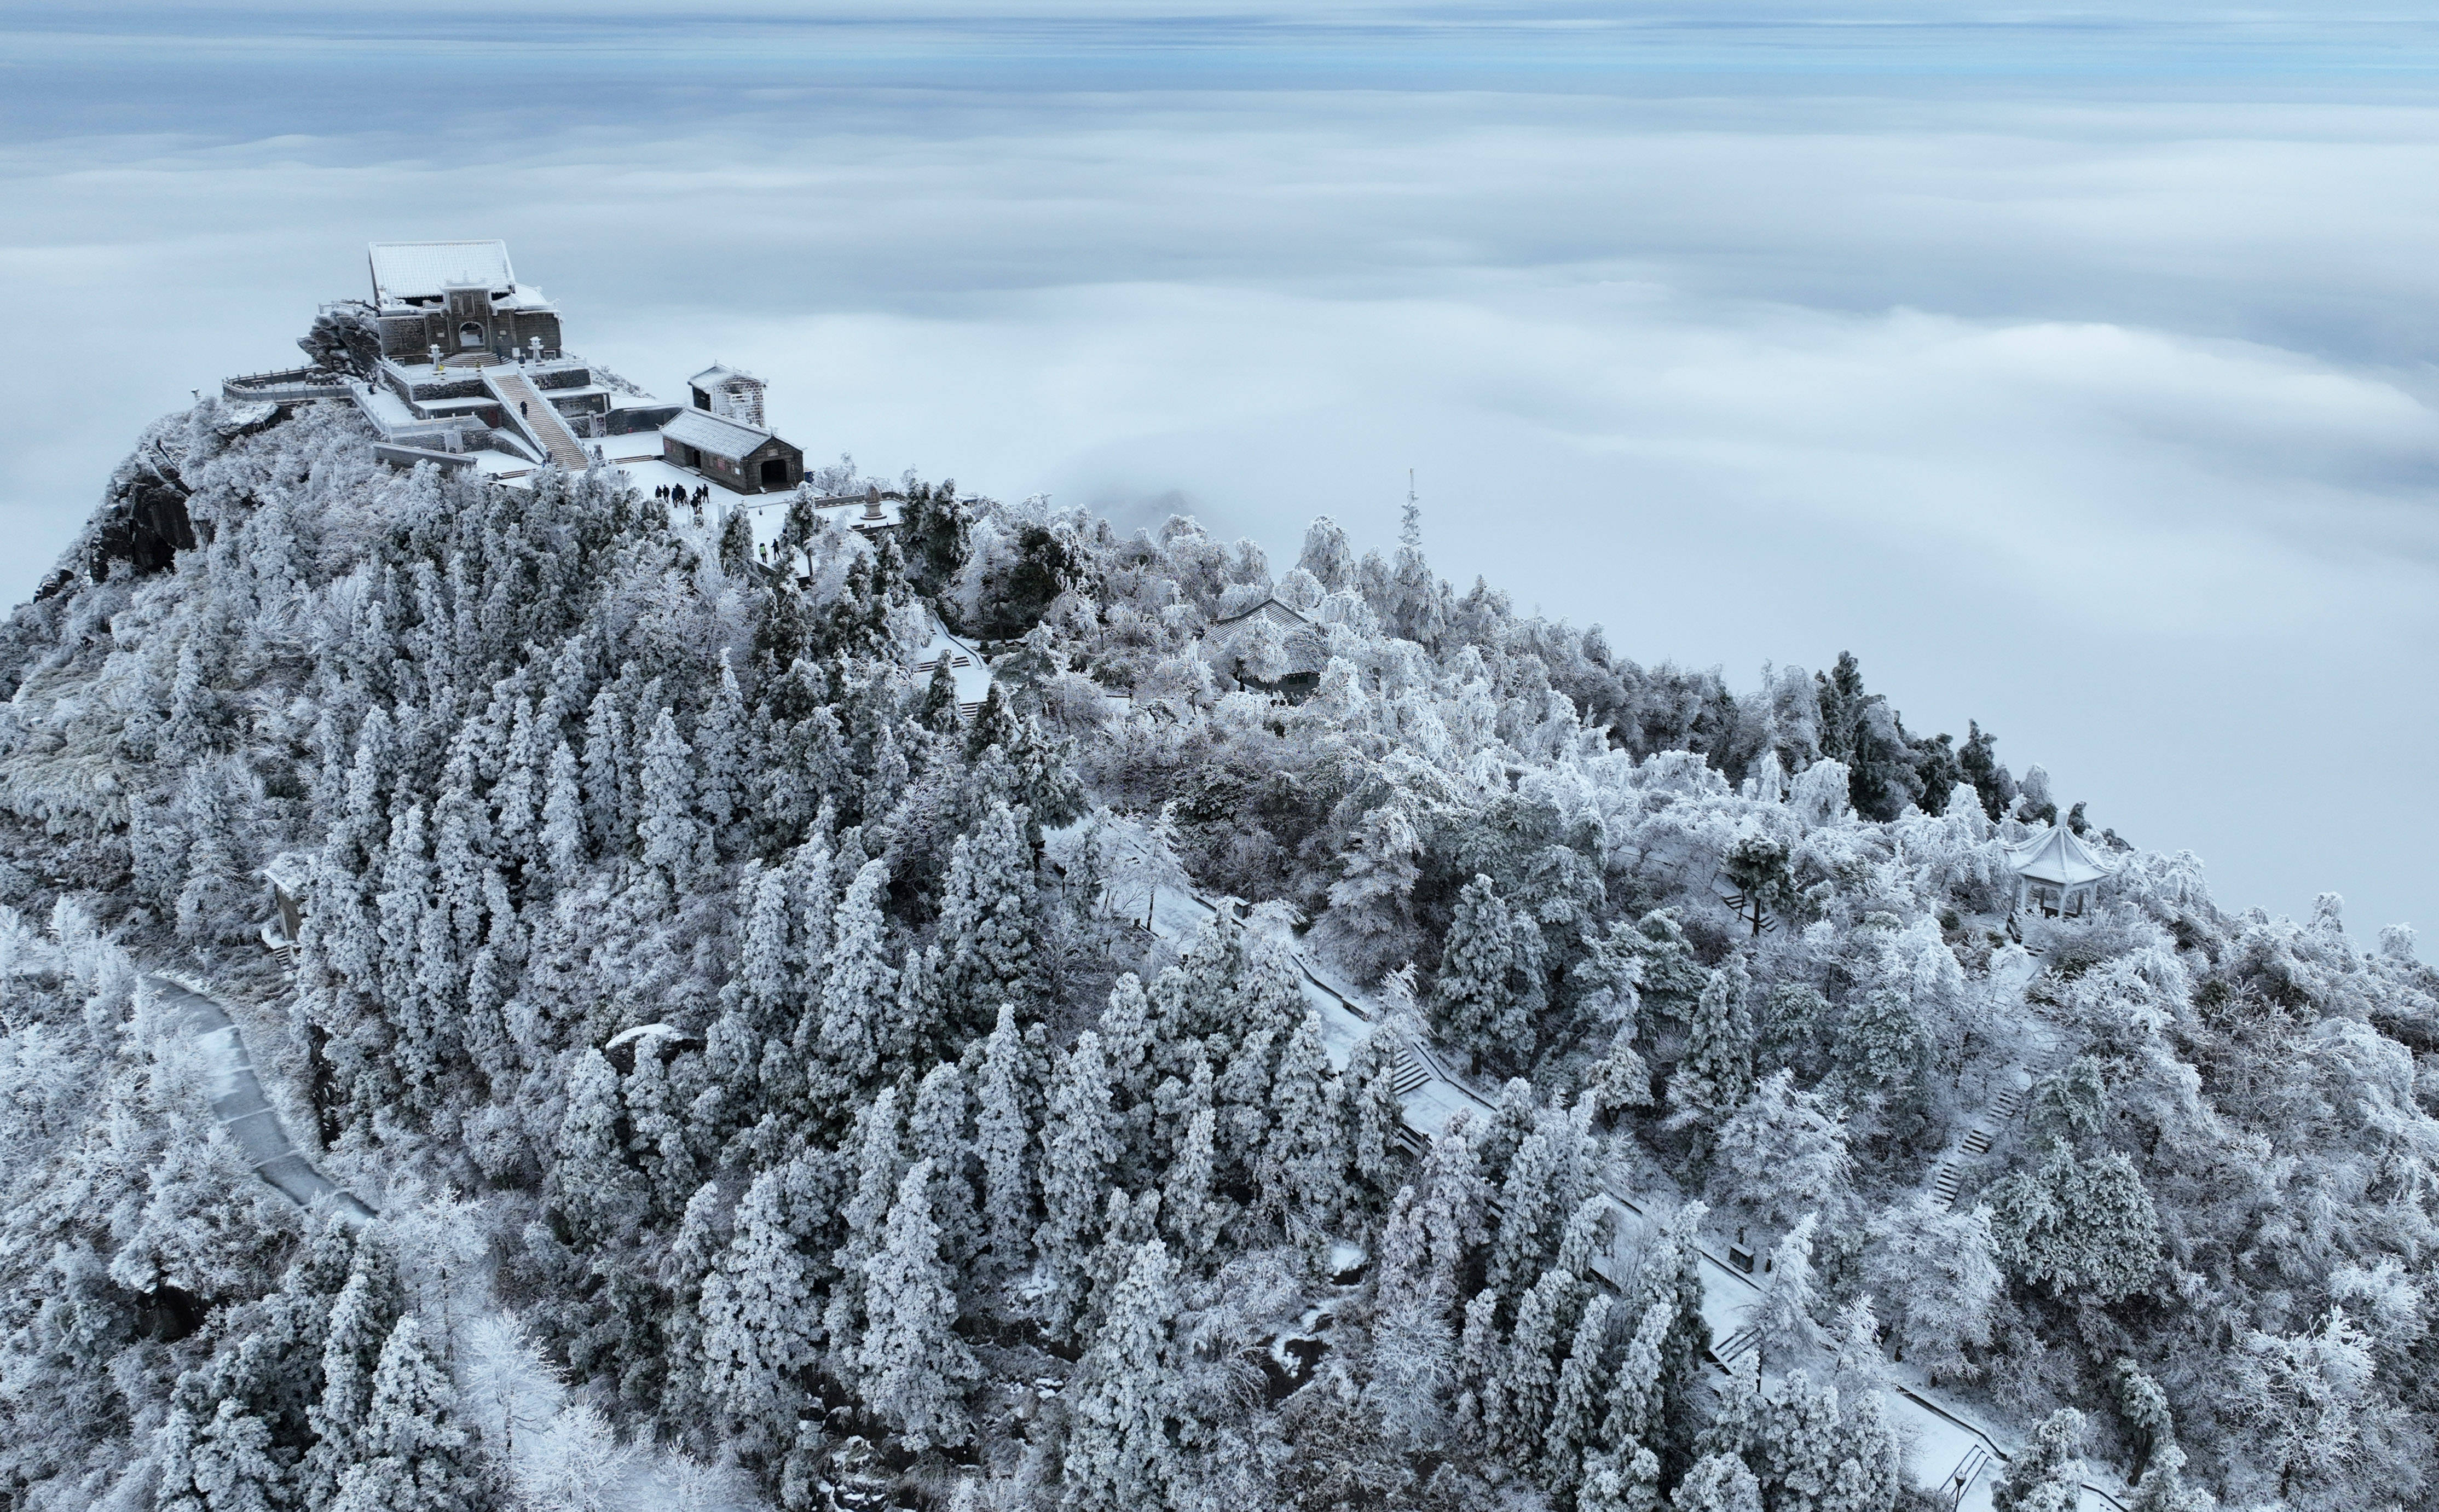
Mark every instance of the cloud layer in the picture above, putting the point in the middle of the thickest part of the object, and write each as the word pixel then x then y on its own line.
pixel 2097 411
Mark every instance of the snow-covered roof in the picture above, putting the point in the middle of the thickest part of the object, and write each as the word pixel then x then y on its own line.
pixel 719 373
pixel 1286 618
pixel 292 871
pixel 426 269
pixel 1308 650
pixel 715 434
pixel 2056 857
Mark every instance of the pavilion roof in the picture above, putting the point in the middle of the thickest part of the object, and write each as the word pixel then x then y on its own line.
pixel 2057 856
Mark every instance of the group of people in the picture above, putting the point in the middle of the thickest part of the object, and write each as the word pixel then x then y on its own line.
pixel 675 493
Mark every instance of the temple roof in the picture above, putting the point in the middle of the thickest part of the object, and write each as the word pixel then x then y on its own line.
pixel 426 269
pixel 1306 646
pixel 2056 857
pixel 1285 616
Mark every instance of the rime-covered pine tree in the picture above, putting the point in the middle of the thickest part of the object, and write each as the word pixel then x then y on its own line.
pixel 912 1365
pixel 1003 1137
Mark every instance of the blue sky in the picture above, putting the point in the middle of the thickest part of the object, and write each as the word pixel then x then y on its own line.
pixel 2070 367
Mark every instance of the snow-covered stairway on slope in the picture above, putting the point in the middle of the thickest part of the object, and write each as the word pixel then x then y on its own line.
pixel 524 407
pixel 1948 1178
pixel 237 1101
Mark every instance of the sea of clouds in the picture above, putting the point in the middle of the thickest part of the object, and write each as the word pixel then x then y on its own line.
pixel 2072 372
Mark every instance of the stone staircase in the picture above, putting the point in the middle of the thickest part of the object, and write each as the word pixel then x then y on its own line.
pixel 524 408
pixel 1948 1178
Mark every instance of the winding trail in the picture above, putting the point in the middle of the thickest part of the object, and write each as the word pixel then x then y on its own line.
pixel 237 1101
pixel 1946 1441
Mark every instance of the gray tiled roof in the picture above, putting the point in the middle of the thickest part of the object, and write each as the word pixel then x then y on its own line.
pixel 715 434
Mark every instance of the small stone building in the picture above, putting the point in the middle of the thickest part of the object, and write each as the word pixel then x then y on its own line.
pixel 729 393
pixel 737 457
pixel 460 299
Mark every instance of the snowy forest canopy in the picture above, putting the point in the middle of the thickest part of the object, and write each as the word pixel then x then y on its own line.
pixel 772 1095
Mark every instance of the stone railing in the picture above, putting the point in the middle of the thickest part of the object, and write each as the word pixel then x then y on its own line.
pixel 287 384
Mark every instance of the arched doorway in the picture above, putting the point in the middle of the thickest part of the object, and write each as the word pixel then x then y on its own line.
pixel 774 473
pixel 470 336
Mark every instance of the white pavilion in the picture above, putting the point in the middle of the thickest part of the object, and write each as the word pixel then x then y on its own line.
pixel 2058 874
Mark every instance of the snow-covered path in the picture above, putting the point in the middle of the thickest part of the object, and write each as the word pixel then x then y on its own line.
pixel 1947 1445
pixel 239 1103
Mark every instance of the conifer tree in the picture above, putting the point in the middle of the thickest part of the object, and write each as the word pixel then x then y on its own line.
pixel 1376 1116
pixel 757 1325
pixel 859 987
pixel 673 839
pixel 1003 1132
pixel 736 544
pixel 1476 1006
pixel 717 733
pixel 1529 1384
pixel 594 1189
pixel 938 711
pixel 935 1133
pixel 221 1462
pixel 990 923
pixel 912 1365
pixel 1241 1092
pixel 417 1457
pixel 1302 1174
pixel 1576 1414
pixel 1671 1277
pixel 768 963
pixel 1078 1144
pixel 1125 1031
pixel 1482 1369
pixel 1638 1404
pixel 1453 1214
pixel 1716 1073
pixel 563 818
pixel 1192 1212
pixel 1500 1136
pixel 880 1163
pixel 994 724
pixel 1534 1204
pixel 607 780
pixel 1118 1456
pixel 362 1317
pixel 1782 1320
pixel 657 1132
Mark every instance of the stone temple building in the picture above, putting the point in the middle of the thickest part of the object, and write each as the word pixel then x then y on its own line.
pixel 458 365
pixel 434 300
